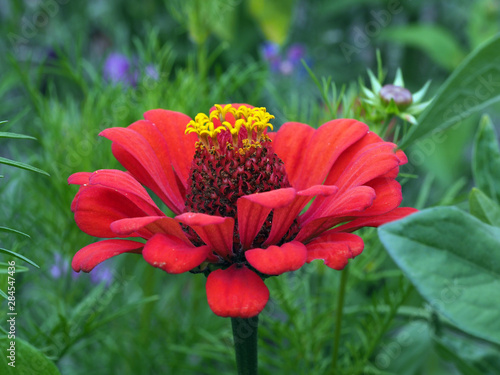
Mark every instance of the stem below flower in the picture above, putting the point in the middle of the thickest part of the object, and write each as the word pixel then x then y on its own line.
pixel 338 318
pixel 245 344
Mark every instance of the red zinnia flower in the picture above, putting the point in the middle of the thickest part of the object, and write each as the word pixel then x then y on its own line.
pixel 237 193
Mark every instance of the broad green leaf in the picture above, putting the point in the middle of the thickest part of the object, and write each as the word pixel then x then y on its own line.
pixel 274 17
pixel 453 259
pixel 15 135
pixel 28 360
pixel 14 254
pixel 474 85
pixel 470 355
pixel 449 355
pixel 482 21
pixel 436 41
pixel 484 208
pixel 18 164
pixel 10 230
pixel 486 160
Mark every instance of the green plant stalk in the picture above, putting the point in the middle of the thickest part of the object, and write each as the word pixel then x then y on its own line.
pixel 245 344
pixel 338 317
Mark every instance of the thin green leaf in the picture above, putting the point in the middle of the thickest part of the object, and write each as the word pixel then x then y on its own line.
pixel 419 95
pixel 18 164
pixel 4 268
pixel 15 136
pixel 14 254
pixel 10 230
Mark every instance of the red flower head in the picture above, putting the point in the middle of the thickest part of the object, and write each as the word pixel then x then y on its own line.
pixel 237 192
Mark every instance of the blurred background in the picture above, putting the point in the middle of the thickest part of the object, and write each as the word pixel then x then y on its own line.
pixel 69 69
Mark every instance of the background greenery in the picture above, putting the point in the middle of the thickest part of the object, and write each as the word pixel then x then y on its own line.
pixel 410 309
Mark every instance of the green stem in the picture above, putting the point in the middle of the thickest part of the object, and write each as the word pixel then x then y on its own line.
pixel 245 344
pixel 338 317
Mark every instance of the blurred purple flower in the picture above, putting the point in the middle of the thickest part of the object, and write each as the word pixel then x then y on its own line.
pixel 277 63
pixel 118 68
pixel 101 274
pixel 59 268
pixel 271 53
pixel 296 52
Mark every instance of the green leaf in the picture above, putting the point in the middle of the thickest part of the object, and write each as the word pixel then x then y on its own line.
pixel 4 267
pixel 14 254
pixel 18 164
pixel 436 41
pixel 10 230
pixel 470 355
pixel 474 85
pixel 28 360
pixel 486 160
pixel 274 17
pixel 484 208
pixel 453 259
pixel 450 355
pixel 482 21
pixel 15 136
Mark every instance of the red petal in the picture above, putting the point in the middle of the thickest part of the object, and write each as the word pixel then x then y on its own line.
pixel 254 209
pixel 236 292
pixel 350 203
pixel 324 147
pixel 335 249
pixel 284 217
pixel 276 260
pixel 172 254
pixel 215 231
pixel 272 199
pixel 160 147
pixel 364 161
pixel 289 144
pixel 251 216
pixel 79 178
pixel 388 196
pixel 350 154
pixel 96 208
pixel 125 184
pixel 181 146
pixel 149 225
pixel 135 153
pixel 375 221
pixel 91 255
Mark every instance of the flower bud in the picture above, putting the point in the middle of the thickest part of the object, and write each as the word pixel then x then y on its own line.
pixel 401 96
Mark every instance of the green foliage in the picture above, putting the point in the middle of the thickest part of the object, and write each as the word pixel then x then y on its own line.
pixel 28 360
pixel 274 17
pixel 437 42
pixel 486 160
pixel 453 260
pixel 474 85
pixel 482 207
pixel 146 321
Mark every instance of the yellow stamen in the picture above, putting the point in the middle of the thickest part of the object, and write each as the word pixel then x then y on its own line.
pixel 252 119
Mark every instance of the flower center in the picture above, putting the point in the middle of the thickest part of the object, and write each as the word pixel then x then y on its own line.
pixel 234 157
